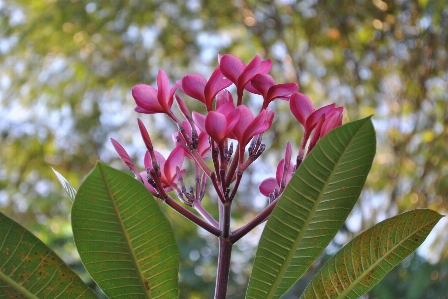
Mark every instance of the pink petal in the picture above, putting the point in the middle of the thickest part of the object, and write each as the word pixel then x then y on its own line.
pixel 250 88
pixel 199 120
pixel 226 108
pixel 224 96
pixel 145 97
pixel 288 152
pixel 183 107
pixel 262 82
pixel 281 91
pixel 315 116
pixel 279 172
pixel 147 160
pixel 249 72
pixel 316 133
pixel 257 126
pixel 265 67
pixel 163 94
pixel 193 85
pixel 301 107
pixel 232 120
pixel 267 186
pixel 203 146
pixel 246 117
pixel 147 184
pixel 216 125
pixel 125 157
pixel 175 159
pixel 231 67
pixel 333 121
pixel 216 83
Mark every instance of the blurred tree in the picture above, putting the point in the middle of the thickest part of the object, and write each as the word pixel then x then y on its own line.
pixel 67 68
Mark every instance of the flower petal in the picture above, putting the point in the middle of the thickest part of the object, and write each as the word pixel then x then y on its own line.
pixel 315 116
pixel 232 120
pixel 145 97
pixel 301 107
pixel 249 72
pixel 246 117
pixel 193 85
pixel 268 186
pixel 257 126
pixel 279 172
pixel 231 67
pixel 216 83
pixel 216 125
pixel 175 159
pixel 281 91
pixel 163 93
pixel 125 157
pixel 199 120
pixel 262 83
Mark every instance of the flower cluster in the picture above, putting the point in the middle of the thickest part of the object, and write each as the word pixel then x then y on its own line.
pixel 202 137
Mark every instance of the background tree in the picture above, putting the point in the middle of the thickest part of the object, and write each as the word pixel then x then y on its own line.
pixel 67 68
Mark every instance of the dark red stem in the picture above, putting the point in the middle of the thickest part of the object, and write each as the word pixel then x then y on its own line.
pixel 222 277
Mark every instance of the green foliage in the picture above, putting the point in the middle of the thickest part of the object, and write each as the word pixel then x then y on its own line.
pixel 29 269
pixel 364 261
pixel 125 242
pixel 312 208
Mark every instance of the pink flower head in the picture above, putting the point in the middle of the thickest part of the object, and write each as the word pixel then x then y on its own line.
pixel 167 166
pixel 265 85
pixel 248 126
pixel 269 185
pixel 150 100
pixel 197 87
pixel 219 126
pixel 240 74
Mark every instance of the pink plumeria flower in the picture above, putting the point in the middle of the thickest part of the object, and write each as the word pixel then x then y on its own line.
pixel 197 87
pixel 269 185
pixel 168 173
pixel 265 85
pixel 240 74
pixel 219 126
pixel 248 126
pixel 150 100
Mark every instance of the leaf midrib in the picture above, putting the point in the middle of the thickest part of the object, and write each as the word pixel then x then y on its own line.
pixel 375 264
pixel 128 243
pixel 285 266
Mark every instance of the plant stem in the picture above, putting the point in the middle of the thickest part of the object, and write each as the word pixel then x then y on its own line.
pixel 242 231
pixel 203 212
pixel 222 277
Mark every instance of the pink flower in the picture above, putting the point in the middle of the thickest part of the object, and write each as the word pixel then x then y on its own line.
pixel 197 87
pixel 219 126
pixel 283 175
pixel 265 85
pixel 150 100
pixel 168 174
pixel 248 126
pixel 240 74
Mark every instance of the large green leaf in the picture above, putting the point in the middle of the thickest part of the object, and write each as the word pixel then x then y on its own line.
pixel 363 262
pixel 29 269
pixel 71 191
pixel 312 208
pixel 125 242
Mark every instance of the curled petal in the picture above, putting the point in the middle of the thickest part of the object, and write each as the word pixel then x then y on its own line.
pixel 288 152
pixel 262 83
pixel 231 67
pixel 249 72
pixel 193 85
pixel 164 92
pixel 183 107
pixel 257 126
pixel 301 107
pixel 279 172
pixel 316 133
pixel 204 145
pixel 268 186
pixel 175 159
pixel 281 91
pixel 315 116
pixel 145 97
pixel 216 125
pixel 216 83
pixel 224 96
pixel 246 117
pixel 333 121
pixel 232 120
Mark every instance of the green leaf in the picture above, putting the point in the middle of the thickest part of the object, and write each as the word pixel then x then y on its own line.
pixel 125 242
pixel 312 208
pixel 71 191
pixel 29 269
pixel 363 262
